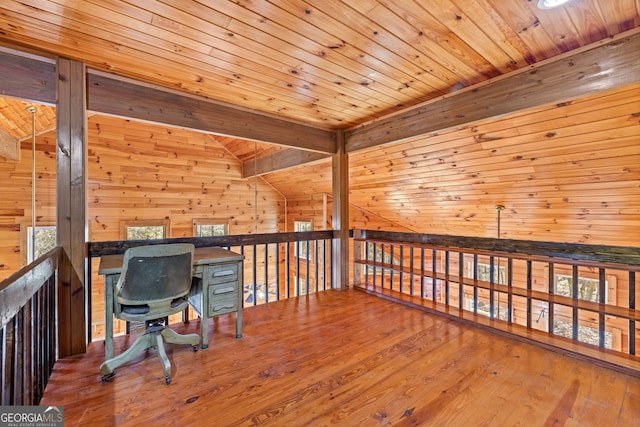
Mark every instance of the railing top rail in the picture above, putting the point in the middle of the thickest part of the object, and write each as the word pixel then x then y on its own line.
pixel 98 249
pixel 585 254
pixel 18 288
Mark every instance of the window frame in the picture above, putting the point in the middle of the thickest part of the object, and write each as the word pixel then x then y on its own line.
pixel 26 239
pixel 198 222
pixel 302 247
pixel 125 224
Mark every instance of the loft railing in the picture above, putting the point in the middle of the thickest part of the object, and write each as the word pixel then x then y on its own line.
pixel 277 265
pixel 28 317
pixel 573 298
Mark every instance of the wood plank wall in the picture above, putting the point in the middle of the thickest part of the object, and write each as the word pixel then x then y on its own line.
pixel 15 199
pixel 567 173
pixel 136 172
pixel 147 172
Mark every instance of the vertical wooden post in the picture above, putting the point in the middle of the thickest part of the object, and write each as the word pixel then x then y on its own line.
pixel 340 212
pixel 357 256
pixel 71 154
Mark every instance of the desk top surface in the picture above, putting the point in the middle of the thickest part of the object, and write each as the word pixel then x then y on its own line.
pixel 112 264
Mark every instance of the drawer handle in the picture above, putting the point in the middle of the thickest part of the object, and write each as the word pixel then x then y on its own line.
pixel 224 273
pixel 222 307
pixel 224 290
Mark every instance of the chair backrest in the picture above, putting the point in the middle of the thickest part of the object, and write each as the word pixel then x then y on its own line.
pixel 155 272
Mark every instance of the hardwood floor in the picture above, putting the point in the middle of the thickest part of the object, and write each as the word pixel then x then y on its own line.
pixel 347 359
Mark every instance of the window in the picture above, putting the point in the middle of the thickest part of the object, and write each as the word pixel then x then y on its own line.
pixel 484 273
pixel 144 230
pixel 45 240
pixel 587 288
pixel 302 247
pixel 210 227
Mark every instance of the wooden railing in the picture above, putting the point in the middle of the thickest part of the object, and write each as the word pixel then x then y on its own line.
pixel 28 317
pixel 574 298
pixel 277 266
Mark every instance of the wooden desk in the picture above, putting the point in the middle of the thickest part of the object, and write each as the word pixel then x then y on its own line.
pixel 219 273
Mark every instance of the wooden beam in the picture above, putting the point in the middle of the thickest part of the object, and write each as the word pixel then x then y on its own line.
pixel 71 203
pixel 9 146
pixel 27 77
pixel 118 97
pixel 281 160
pixel 602 66
pixel 340 212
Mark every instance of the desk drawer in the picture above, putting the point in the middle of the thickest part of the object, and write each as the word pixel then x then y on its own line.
pixel 222 273
pixel 221 304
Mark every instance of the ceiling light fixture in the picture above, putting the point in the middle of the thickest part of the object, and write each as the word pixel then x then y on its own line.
pixel 550 4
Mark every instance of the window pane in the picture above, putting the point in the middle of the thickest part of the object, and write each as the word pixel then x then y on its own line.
pixel 45 241
pixel 207 230
pixel 587 288
pixel 147 232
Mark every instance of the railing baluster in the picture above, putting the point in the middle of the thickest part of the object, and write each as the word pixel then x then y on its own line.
pixel 492 304
pixel 367 259
pixel 460 280
pixel 317 263
pixel 602 289
pixel 278 281
pixel 401 262
pixel 575 295
pixel 266 272
pixel 446 274
pixel 391 262
pixel 327 253
pixel 475 284
pixel 287 270
pixel 411 270
pixel 510 285
pixel 423 278
pixel 9 363
pixel 529 288
pixel 632 305
pixel 297 269
pixel 375 268
pixel 552 290
pixel 434 268
pixel 254 264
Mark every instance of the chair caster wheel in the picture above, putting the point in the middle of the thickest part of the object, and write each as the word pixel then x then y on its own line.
pixel 167 380
pixel 107 378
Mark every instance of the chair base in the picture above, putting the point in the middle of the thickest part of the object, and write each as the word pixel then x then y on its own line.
pixel 152 338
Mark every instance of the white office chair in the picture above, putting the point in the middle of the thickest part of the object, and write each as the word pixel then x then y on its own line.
pixel 154 284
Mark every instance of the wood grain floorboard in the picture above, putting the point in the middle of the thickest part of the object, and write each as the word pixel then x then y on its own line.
pixel 344 358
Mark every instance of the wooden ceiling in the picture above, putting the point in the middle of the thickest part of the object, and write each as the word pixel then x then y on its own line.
pixel 331 64
pixel 351 64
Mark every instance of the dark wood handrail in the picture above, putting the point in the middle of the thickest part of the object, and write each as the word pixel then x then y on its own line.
pixel 17 289
pixel 98 249
pixel 585 254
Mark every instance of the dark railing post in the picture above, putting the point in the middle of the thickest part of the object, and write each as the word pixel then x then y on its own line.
pixel 632 306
